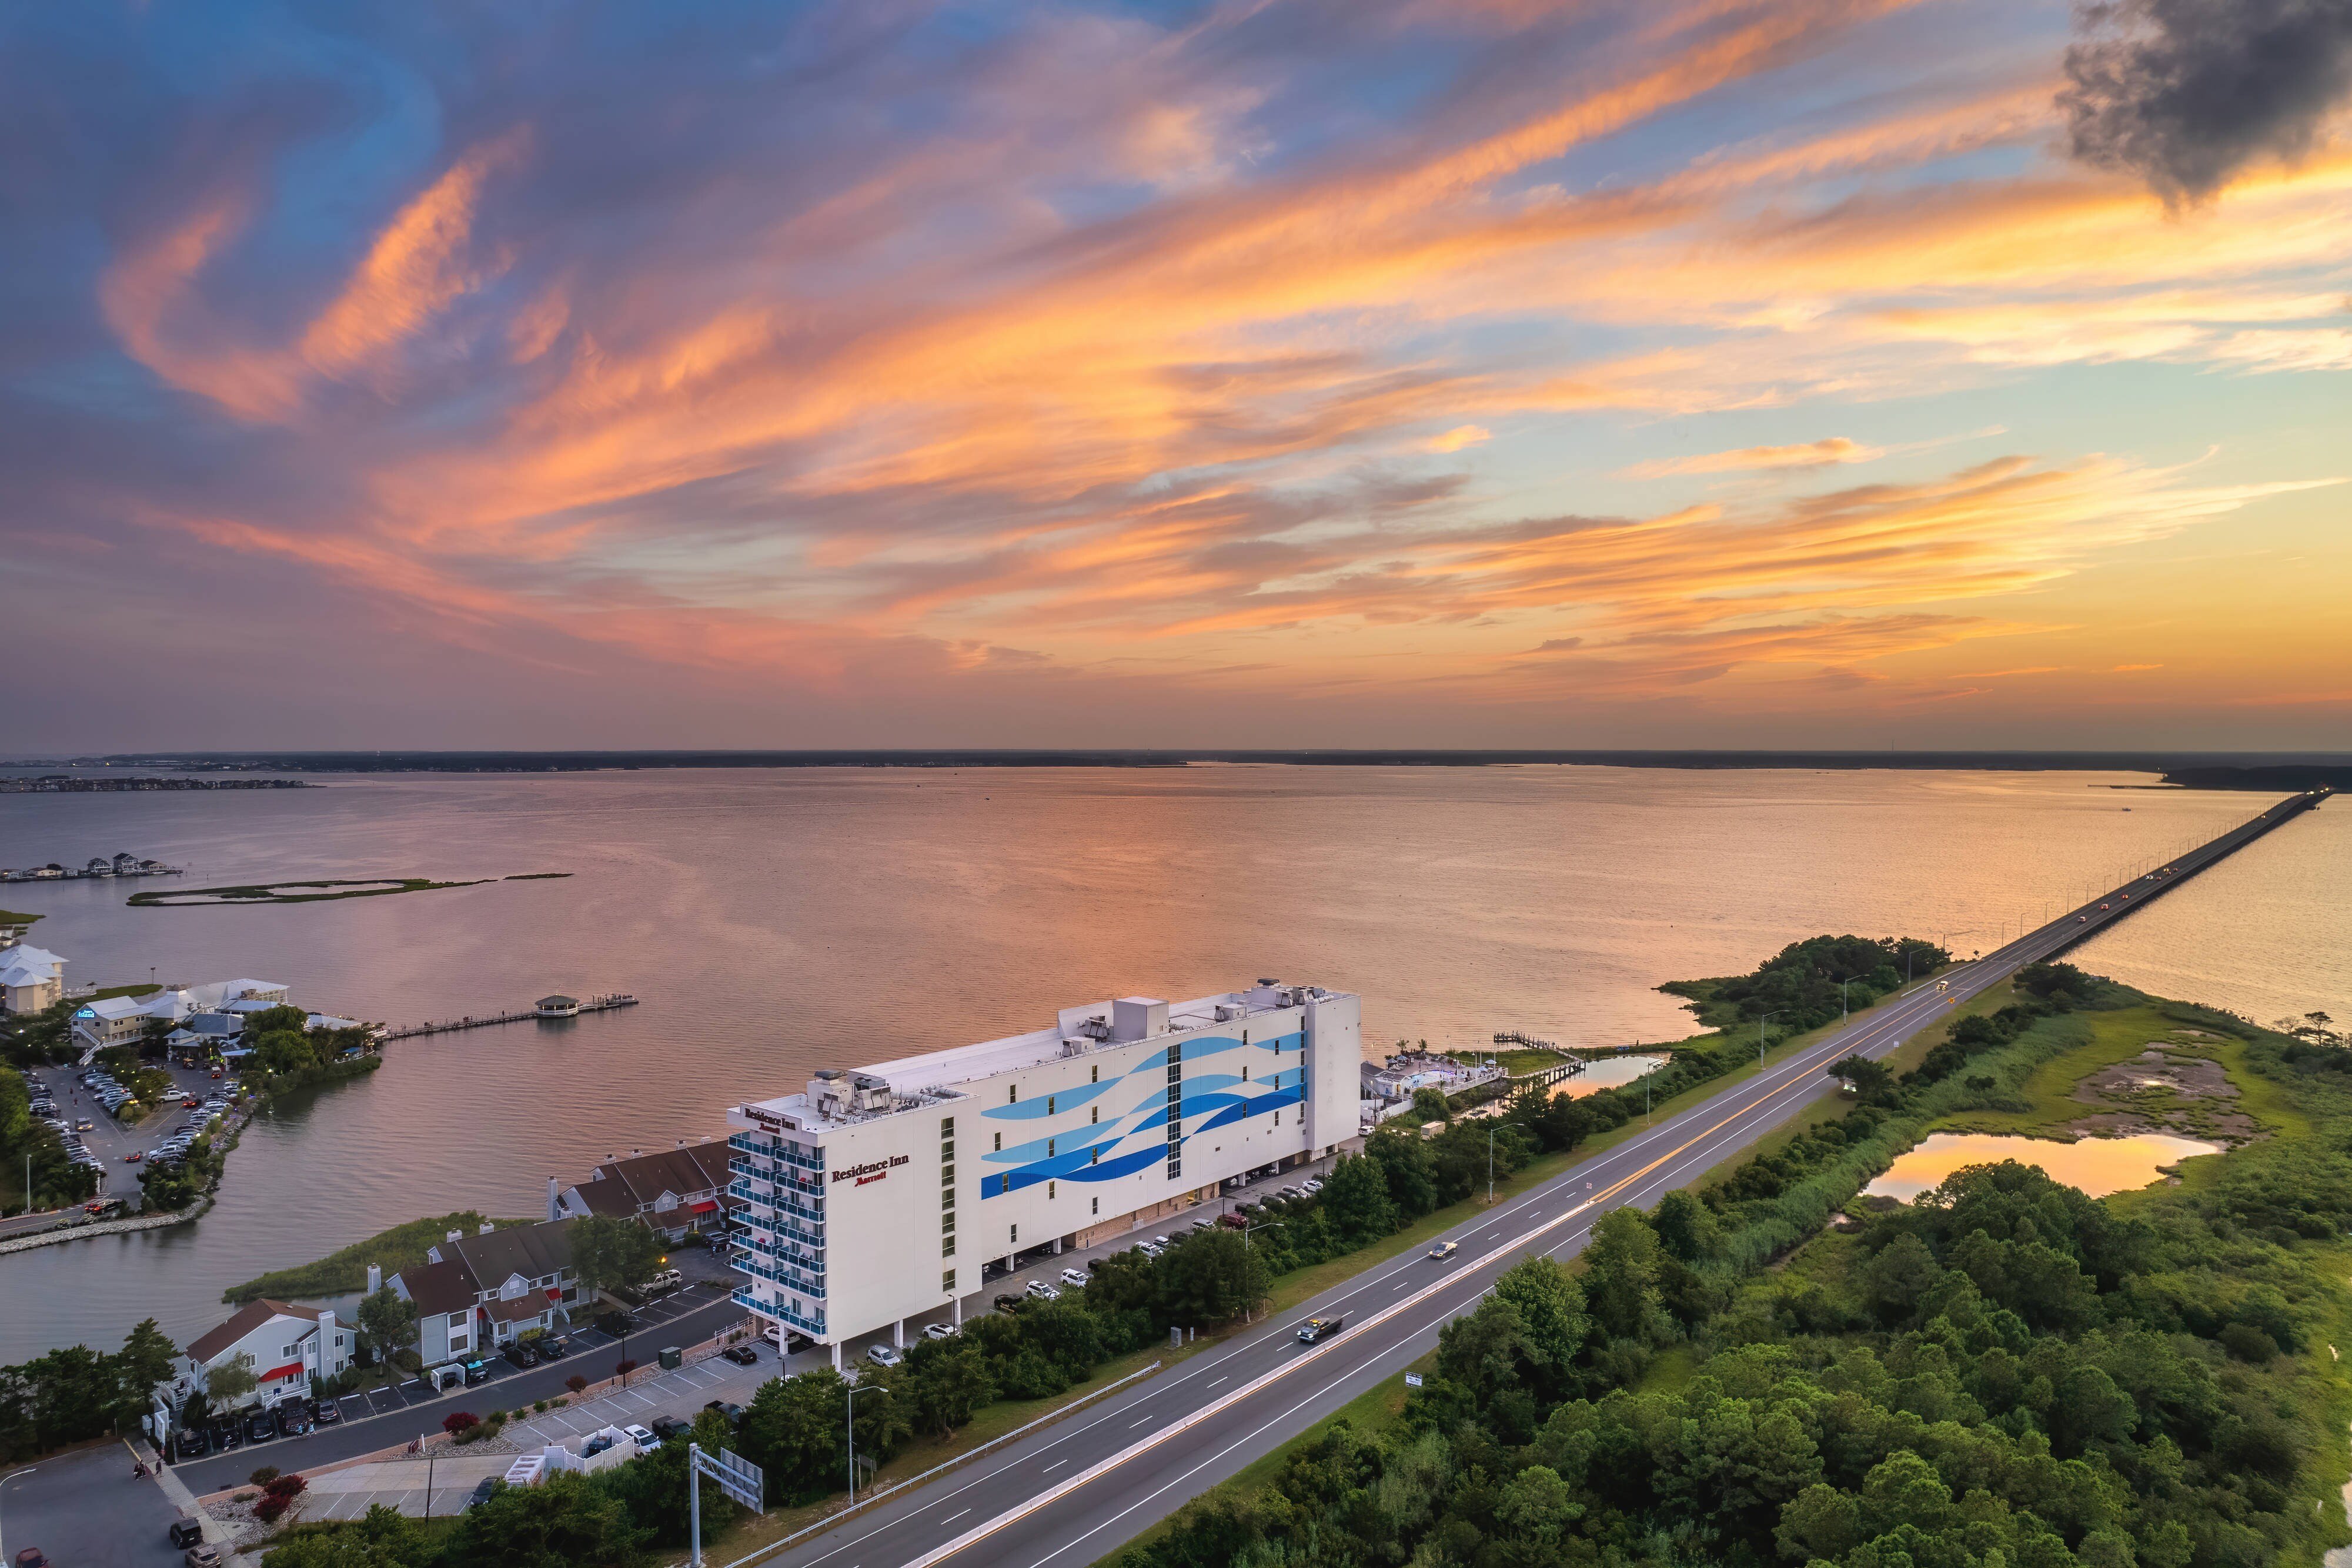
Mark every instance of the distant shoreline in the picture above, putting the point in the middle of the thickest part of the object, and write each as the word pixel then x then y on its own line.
pixel 2208 770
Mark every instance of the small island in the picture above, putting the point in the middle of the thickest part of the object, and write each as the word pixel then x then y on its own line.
pixel 316 892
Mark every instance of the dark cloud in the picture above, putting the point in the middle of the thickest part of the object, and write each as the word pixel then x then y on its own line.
pixel 2186 92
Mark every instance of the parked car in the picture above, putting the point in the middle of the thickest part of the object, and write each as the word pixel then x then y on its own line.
pixel 1043 1291
pixel 667 1280
pixel 1072 1277
pixel 522 1354
pixel 727 1407
pixel 185 1533
pixel 552 1347
pixel 293 1421
pixel 1008 1303
pixel 666 1427
pixel 202 1555
pixel 644 1437
pixel 741 1355
pixel 326 1412
pixel 477 1371
pixel 190 1443
pixel 883 1355
pixel 482 1492
pixel 1149 1248
pixel 1202 1224
pixel 260 1427
pixel 615 1323
pixel 227 1434
pixel 1310 1186
pixel 938 1331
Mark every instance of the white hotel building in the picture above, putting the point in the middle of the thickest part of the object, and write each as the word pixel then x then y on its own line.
pixel 1121 1113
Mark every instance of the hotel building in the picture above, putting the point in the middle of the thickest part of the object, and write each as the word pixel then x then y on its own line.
pixel 1121 1113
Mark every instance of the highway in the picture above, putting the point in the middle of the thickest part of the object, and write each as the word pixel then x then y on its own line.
pixel 1077 1489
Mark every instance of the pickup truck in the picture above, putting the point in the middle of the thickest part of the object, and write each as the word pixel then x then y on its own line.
pixel 1315 1328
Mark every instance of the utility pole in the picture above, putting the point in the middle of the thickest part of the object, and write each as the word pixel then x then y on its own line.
pixel 1490 1167
pixel 851 1425
pixel 1776 1013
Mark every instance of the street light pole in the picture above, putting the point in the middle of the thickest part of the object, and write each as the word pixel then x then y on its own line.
pixel 1760 1022
pixel 850 1425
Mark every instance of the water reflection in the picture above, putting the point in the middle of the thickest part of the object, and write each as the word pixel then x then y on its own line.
pixel 1609 1073
pixel 2096 1165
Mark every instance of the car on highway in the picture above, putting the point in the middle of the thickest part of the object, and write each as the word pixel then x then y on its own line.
pixel 1072 1277
pixel 744 1355
pixel 1043 1291
pixel 883 1355
pixel 2081 920
pixel 644 1437
pixel 938 1331
pixel 1317 1329
pixel 1445 1249
pixel 2103 904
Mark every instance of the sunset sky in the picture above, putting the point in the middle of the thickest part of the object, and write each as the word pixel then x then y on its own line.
pixel 1627 372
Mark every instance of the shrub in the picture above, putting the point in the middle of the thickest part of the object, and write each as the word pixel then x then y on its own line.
pixel 287 1487
pixel 623 1368
pixel 458 1422
pixel 538 1406
pixel 270 1506
pixel 262 1477
pixel 575 1383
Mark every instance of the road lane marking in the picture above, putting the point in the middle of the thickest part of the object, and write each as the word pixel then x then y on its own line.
pixel 1056 1465
pixel 1226 1378
pixel 953 1517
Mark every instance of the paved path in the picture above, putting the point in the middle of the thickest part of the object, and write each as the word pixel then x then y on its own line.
pixel 1071 1494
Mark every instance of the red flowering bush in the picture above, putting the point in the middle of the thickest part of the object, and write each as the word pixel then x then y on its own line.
pixel 458 1421
pixel 288 1488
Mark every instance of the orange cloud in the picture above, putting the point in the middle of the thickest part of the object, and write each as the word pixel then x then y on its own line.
pixel 1819 453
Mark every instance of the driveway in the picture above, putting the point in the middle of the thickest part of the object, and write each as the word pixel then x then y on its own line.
pixel 85 1508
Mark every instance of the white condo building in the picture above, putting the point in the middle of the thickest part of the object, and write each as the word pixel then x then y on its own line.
pixel 1122 1111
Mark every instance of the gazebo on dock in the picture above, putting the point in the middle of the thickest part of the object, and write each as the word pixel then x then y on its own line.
pixel 559 1006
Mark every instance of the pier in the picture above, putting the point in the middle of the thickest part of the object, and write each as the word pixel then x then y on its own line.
pixel 451 1026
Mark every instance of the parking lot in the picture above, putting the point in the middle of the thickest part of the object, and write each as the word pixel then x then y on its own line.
pixel 109 1140
pixel 401 1484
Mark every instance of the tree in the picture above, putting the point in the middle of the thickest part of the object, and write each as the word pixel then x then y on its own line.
pixel 1552 1320
pixel 1870 1080
pixel 1356 1202
pixel 794 1429
pixel 1429 1106
pixel 144 1364
pixel 1899 1276
pixel 1621 1277
pixel 1211 1277
pixel 610 1252
pixel 1684 1227
pixel 383 1539
pixel 231 1381
pixel 389 1320
pixel 1404 1163
pixel 946 1381
pixel 565 1521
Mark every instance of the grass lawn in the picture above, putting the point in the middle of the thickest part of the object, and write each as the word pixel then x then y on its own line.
pixel 345 1271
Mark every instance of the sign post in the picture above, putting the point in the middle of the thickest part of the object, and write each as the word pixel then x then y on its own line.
pixel 737 1476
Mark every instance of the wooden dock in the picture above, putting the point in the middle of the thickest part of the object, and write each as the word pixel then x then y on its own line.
pixel 451 1026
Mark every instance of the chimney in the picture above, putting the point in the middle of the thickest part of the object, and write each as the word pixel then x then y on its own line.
pixel 455 1236
pixel 555 1202
pixel 485 1229
pixel 375 1277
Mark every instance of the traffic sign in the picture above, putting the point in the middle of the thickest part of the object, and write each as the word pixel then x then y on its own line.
pixel 737 1476
pixel 1413 1380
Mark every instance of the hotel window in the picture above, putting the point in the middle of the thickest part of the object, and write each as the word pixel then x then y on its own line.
pixel 1093 1118
pixel 947 1224
pixel 1094 1073
pixel 1000 1143
pixel 1246 1072
pixel 1094 1156
pixel 946 1198
pixel 1049 1189
pixel 1049 1104
pixel 946 1281
pixel 947 1175
pixel 1012 1236
pixel 1013 1094
pixel 1096 1208
pixel 947 1248
pixel 947 1126
pixel 1049 1147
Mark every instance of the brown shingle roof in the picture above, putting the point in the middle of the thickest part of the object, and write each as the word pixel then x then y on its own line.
pixel 608 1197
pixel 248 1318
pixel 529 1250
pixel 697 1168
pixel 439 1289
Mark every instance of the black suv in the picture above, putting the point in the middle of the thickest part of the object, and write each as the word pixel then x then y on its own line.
pixel 261 1426
pixel 522 1354
pixel 553 1347
pixel 615 1323
pixel 668 1426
